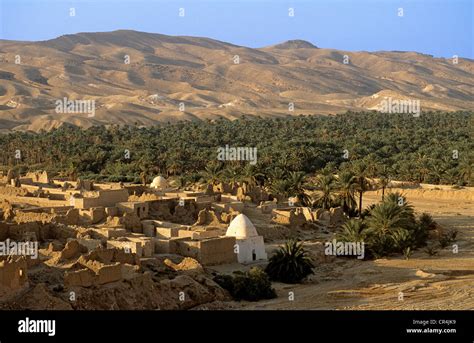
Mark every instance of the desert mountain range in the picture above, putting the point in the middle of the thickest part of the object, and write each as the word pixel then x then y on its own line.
pixel 201 73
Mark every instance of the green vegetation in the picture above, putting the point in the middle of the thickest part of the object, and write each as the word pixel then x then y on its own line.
pixel 385 146
pixel 290 263
pixel 389 227
pixel 253 285
pixel 447 238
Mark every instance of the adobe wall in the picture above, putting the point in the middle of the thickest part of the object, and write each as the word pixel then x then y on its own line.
pixel 71 217
pixel 162 207
pixel 104 198
pixel 137 190
pixel 38 177
pixel 34 231
pixel 4 231
pixel 13 191
pixel 170 210
pixel 93 215
pixel 146 243
pixel 95 273
pixel 289 216
pixel 110 255
pixel 141 209
pixel 162 232
pixel 197 235
pixel 108 233
pixel 141 246
pixel 109 273
pixel 162 246
pixel 105 273
pixel 217 251
pixel 39 230
pixel 90 244
pixel 229 206
pixel 83 278
pixel 133 247
pixel 26 217
pixel 186 248
pixel 12 274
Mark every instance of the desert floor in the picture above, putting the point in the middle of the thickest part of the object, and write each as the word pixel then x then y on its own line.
pixel 444 281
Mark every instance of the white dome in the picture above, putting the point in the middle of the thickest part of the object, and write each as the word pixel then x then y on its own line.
pixel 241 227
pixel 159 182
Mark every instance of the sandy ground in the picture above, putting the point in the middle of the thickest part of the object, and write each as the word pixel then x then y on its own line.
pixel 444 281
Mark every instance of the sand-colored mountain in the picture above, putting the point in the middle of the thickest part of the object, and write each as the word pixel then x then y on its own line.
pixel 167 71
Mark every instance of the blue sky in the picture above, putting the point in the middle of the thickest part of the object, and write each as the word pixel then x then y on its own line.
pixel 442 28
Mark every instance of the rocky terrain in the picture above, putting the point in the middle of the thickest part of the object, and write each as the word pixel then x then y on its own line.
pixel 146 79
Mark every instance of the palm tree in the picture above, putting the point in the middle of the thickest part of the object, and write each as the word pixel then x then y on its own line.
pixel 275 174
pixel 250 176
pixel 174 168
pixel 437 171
pixel 400 200
pixel 422 166
pixel 326 184
pixel 392 226
pixel 290 264
pixel 451 176
pixel 384 179
pixel 387 217
pixel 212 173
pixel 182 181
pixel 144 177
pixel 371 166
pixel 296 188
pixel 347 184
pixel 231 174
pixel 362 182
pixel 465 170
pixel 354 230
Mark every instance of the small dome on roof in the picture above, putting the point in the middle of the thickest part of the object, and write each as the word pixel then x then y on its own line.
pixel 159 182
pixel 241 227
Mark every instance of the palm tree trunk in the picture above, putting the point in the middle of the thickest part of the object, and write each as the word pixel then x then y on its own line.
pixel 383 193
pixel 360 203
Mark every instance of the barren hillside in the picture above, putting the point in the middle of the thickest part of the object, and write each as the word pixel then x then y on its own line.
pixel 201 73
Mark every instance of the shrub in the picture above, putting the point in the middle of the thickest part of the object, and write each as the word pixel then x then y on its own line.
pixel 447 238
pixel 225 281
pixel 431 250
pixel 420 236
pixel 290 264
pixel 252 285
pixel 426 222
